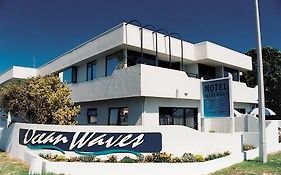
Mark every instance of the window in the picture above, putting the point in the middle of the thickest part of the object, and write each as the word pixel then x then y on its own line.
pixel 241 110
pixel 178 116
pixel 118 116
pixel 233 72
pixel 91 71
pixel 135 58
pixel 70 75
pixel 92 115
pixel 113 62
pixel 207 72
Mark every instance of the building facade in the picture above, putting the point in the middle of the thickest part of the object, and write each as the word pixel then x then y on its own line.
pixel 134 76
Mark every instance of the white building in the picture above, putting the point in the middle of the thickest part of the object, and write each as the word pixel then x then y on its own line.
pixel 118 82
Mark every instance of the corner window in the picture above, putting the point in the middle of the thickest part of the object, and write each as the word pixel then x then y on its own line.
pixel 70 75
pixel 91 71
pixel 113 62
pixel 178 116
pixel 233 72
pixel 92 115
pixel 135 58
pixel 118 116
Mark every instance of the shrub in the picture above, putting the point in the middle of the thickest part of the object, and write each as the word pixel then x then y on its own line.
pixel 247 147
pixel 112 159
pixel 199 158
pixel 90 158
pixel 211 157
pixel 60 158
pixel 149 158
pixel 188 157
pixel 127 159
pixel 176 160
pixel 140 158
pixel 226 153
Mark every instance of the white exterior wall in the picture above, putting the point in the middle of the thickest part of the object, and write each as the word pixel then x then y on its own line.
pixel 161 82
pixel 134 114
pixel 151 81
pixel 150 116
pixel 132 37
pixel 244 94
pixel 246 106
pixel 17 72
pixel 209 51
pixel 121 84
pixel 81 73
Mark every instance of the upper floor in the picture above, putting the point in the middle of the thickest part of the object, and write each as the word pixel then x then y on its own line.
pixel 127 45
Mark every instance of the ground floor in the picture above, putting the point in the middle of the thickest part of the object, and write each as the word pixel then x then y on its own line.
pixel 146 111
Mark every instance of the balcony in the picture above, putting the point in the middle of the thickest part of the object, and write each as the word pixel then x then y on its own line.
pixel 17 72
pixel 151 81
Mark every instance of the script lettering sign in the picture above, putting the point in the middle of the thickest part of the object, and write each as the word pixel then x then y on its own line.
pixel 92 142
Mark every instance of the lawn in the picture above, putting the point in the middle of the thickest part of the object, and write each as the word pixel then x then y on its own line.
pixel 253 167
pixel 11 166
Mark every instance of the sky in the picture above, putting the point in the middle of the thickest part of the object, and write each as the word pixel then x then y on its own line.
pixel 45 29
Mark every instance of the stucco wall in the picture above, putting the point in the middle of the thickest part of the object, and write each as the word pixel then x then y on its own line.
pixel 134 114
pixel 175 139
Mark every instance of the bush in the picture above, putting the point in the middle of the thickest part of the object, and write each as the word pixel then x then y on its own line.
pixel 112 159
pixel 90 158
pixel 176 160
pixel 199 158
pixel 140 158
pixel 127 159
pixel 247 147
pixel 149 158
pixel 60 158
pixel 155 157
pixel 226 153
pixel 188 157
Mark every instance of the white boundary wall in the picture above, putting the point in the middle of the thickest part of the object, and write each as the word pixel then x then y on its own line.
pixel 175 139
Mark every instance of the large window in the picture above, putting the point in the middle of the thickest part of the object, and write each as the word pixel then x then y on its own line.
pixel 135 58
pixel 178 116
pixel 207 72
pixel 92 115
pixel 91 71
pixel 113 62
pixel 70 75
pixel 118 116
pixel 233 72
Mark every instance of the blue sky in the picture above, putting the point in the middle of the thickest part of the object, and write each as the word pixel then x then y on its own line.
pixel 47 29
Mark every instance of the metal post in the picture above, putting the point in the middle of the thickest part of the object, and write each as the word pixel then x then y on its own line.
pixel 141 45
pixel 170 52
pixel 156 49
pixel 181 55
pixel 262 131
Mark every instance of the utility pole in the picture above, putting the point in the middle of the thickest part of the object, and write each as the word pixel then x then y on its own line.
pixel 262 129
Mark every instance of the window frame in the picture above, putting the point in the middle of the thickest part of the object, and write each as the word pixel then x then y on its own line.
pixel 88 116
pixel 91 66
pixel 118 122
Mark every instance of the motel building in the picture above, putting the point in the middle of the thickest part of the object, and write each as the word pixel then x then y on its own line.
pixel 188 97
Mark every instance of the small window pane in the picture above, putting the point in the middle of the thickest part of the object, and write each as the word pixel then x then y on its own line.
pixel 112 62
pixel 92 115
pixel 118 116
pixel 113 117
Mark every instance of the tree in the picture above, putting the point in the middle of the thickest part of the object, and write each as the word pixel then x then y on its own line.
pixel 43 100
pixel 272 76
